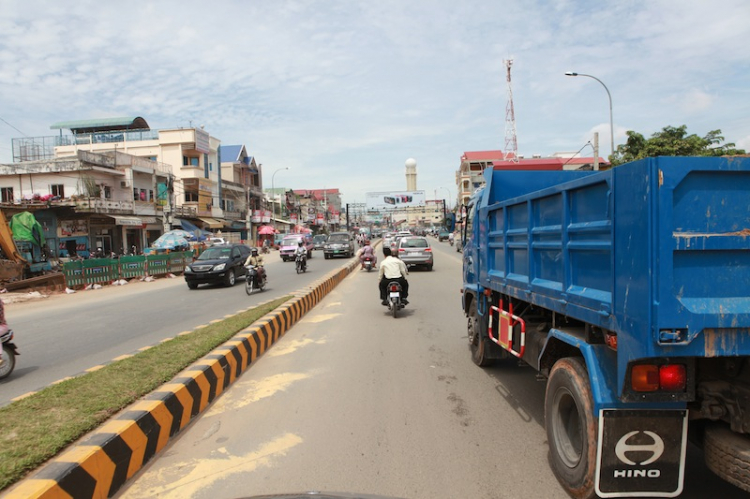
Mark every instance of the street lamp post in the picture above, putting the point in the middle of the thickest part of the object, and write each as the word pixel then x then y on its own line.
pixel 449 193
pixel 273 198
pixel 611 122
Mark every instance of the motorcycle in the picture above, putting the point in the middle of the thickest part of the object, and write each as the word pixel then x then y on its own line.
pixel 254 280
pixel 368 263
pixel 450 241
pixel 301 263
pixel 394 298
pixel 264 249
pixel 9 354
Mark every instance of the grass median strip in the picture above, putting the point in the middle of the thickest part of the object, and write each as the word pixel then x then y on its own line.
pixel 36 428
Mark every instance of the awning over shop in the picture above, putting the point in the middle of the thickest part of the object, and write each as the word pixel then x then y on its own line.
pixel 212 223
pixel 130 221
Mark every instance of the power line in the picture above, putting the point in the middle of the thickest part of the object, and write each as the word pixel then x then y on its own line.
pixel 14 128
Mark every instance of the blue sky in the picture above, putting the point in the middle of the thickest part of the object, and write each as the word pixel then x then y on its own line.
pixel 343 92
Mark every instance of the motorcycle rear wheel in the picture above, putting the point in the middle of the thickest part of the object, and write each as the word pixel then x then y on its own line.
pixel 10 363
pixel 394 308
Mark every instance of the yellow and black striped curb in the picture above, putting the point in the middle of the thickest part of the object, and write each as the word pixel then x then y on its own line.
pixel 101 462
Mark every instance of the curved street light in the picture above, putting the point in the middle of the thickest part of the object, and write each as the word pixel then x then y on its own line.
pixel 611 122
pixel 273 199
pixel 450 199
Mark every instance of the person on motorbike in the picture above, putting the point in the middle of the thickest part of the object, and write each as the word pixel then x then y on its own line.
pixel 301 250
pixel 392 269
pixel 451 238
pixel 257 261
pixel 367 252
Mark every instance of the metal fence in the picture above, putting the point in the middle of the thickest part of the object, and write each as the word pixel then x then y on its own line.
pixel 106 270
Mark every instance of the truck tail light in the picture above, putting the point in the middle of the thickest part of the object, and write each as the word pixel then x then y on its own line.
pixel 673 377
pixel 645 378
pixel 651 378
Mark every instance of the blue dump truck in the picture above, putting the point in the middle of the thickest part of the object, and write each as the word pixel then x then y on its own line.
pixel 629 290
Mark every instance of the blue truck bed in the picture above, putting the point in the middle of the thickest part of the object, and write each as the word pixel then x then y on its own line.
pixel 658 247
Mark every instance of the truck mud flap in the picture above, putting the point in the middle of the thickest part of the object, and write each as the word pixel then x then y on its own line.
pixel 641 453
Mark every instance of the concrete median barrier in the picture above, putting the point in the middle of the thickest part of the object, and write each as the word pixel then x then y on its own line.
pixel 100 463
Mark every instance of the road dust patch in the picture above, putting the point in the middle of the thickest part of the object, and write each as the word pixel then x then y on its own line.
pixel 290 346
pixel 247 392
pixel 189 478
pixel 332 304
pixel 319 318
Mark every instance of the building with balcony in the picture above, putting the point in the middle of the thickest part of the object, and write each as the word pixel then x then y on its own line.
pixel 112 200
pixel 318 208
pixel 210 189
pixel 470 174
pixel 242 189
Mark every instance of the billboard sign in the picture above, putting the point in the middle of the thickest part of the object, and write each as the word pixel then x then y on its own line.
pixel 394 200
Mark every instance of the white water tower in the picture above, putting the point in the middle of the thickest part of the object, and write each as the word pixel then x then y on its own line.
pixel 411 174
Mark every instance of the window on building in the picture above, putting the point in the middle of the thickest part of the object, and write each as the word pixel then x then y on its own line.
pixel 190 161
pixel 191 197
pixel 151 195
pixel 107 191
pixel 135 194
pixel 6 194
pixel 58 190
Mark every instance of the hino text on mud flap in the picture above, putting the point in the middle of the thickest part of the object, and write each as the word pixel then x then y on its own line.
pixel 641 452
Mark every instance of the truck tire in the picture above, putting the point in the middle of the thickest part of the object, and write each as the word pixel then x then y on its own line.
pixel 727 454
pixel 477 341
pixel 572 427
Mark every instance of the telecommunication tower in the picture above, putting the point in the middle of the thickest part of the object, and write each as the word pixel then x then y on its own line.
pixel 511 140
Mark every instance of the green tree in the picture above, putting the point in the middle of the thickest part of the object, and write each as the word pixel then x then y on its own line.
pixel 673 141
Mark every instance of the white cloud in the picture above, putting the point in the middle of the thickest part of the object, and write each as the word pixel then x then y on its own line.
pixel 344 91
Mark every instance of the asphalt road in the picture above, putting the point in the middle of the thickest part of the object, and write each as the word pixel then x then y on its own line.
pixel 352 400
pixel 64 335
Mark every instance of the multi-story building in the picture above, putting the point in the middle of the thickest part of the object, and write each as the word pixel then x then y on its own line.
pixel 470 174
pixel 202 194
pixel 319 208
pixel 242 188
pixel 113 201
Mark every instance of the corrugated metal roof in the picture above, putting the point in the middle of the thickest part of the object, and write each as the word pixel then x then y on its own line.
pixel 230 153
pixel 106 124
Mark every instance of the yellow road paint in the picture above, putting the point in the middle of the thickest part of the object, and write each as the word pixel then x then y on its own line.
pixel 28 394
pixel 319 318
pixel 290 346
pixel 95 368
pixel 253 391
pixel 187 479
pixel 122 357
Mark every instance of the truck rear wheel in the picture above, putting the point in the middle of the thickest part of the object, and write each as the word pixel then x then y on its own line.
pixel 571 427
pixel 477 341
pixel 727 454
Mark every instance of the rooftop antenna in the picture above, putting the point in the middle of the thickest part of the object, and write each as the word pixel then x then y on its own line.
pixel 511 140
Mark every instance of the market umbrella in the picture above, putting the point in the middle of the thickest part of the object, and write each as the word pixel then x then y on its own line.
pixel 266 230
pixel 170 240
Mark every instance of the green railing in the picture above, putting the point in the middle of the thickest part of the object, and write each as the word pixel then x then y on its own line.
pixel 106 270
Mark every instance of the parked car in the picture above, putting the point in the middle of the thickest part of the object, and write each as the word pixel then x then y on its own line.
pixel 415 250
pixel 216 241
pixel 217 264
pixel 319 241
pixel 339 244
pixel 289 245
